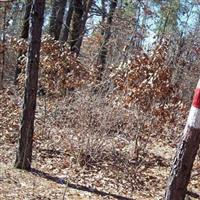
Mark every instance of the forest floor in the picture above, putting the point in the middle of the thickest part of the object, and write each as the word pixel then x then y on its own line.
pixel 72 160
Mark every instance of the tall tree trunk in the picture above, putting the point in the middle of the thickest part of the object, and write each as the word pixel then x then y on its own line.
pixel 24 35
pixel 76 24
pixel 4 41
pixel 52 19
pixel 186 152
pixel 87 6
pixel 103 16
pixel 25 27
pixel 59 18
pixel 24 154
pixel 66 28
pixel 107 34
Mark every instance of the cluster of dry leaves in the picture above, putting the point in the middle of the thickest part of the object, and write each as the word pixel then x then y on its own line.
pixel 147 81
pixel 59 68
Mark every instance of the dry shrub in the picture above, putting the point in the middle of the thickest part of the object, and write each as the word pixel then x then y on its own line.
pixel 102 136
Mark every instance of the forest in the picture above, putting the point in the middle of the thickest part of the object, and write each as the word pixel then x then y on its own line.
pixel 99 99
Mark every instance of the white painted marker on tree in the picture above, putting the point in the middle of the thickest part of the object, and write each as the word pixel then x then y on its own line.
pixel 194 115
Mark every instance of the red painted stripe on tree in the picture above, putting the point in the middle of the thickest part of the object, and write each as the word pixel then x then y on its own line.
pixel 194 114
pixel 196 98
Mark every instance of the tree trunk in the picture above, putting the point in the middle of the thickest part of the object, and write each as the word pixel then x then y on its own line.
pixel 76 24
pixel 4 51
pixel 24 154
pixel 107 34
pixel 59 18
pixel 52 19
pixel 24 35
pixel 103 16
pixel 87 7
pixel 186 152
pixel 67 22
pixel 25 27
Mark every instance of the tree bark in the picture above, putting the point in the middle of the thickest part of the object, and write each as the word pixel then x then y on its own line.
pixel 76 24
pixel 52 19
pixel 24 35
pixel 103 16
pixel 24 154
pixel 25 27
pixel 107 34
pixel 66 28
pixel 3 52
pixel 186 152
pixel 87 6
pixel 59 19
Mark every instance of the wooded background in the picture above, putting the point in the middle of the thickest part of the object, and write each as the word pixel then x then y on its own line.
pixel 113 79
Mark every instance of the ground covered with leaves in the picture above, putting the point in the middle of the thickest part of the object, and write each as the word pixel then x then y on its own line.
pixel 88 147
